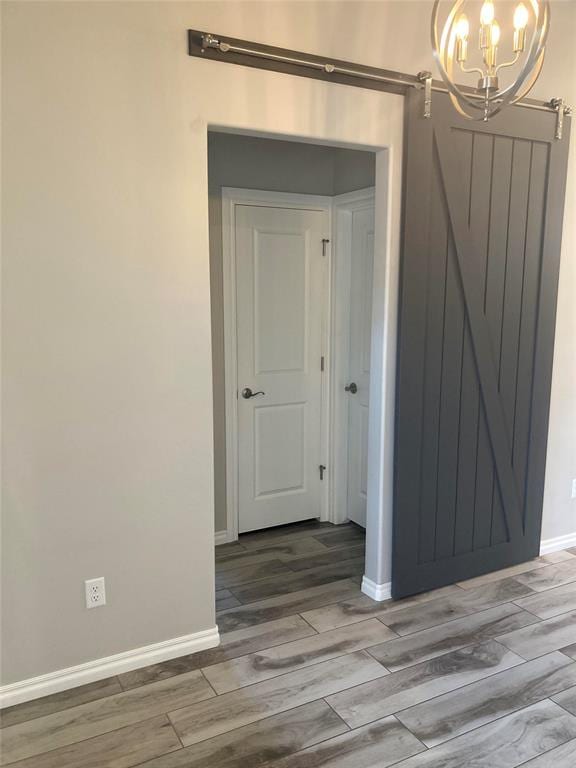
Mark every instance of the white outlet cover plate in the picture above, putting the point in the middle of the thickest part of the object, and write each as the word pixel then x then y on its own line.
pixel 95 590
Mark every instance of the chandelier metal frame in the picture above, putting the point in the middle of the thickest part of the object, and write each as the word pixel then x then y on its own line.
pixel 488 99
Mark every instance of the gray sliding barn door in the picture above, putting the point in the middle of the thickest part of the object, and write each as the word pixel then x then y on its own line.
pixel 482 225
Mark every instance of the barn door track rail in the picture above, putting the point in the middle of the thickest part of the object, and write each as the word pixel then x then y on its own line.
pixel 207 45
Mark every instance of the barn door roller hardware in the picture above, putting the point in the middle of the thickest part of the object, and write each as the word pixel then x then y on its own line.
pixel 561 110
pixel 249 54
pixel 426 79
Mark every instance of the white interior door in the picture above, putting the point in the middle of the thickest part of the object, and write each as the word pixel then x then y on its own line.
pixel 280 279
pixel 358 387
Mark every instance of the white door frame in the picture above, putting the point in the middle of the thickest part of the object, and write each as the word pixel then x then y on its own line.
pixel 343 206
pixel 276 106
pixel 231 197
pixel 335 338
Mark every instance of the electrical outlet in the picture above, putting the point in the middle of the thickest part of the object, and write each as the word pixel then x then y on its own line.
pixel 95 592
pixel 574 488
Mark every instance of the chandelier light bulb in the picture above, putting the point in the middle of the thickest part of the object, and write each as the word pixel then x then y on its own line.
pixel 487 13
pixel 462 32
pixel 494 34
pixel 520 16
pixel 520 23
pixel 462 28
pixel 490 55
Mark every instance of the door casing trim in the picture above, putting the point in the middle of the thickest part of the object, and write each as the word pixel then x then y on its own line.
pixel 334 437
pixel 343 207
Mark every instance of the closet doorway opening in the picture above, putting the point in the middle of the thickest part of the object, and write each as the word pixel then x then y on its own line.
pixel 292 252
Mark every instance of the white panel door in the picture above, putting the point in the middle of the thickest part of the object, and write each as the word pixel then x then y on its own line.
pixel 362 263
pixel 280 277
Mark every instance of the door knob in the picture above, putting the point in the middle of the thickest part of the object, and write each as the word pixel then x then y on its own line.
pixel 247 393
pixel 352 388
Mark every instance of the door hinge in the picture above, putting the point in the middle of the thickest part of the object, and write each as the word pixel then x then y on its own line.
pixel 322 469
pixel 325 242
pixel 322 363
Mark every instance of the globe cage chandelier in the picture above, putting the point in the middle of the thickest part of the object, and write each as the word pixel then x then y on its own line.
pixel 451 49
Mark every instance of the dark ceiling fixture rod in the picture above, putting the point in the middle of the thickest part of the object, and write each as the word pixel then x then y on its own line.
pixel 209 46
pixel 250 54
pixel 330 67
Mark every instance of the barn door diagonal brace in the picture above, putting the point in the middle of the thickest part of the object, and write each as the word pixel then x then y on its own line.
pixel 467 254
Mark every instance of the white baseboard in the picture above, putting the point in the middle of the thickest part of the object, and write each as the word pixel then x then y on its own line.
pixel 99 669
pixel 377 592
pixel 223 537
pixel 560 542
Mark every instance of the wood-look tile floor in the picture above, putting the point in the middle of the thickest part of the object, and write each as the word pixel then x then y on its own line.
pixel 311 673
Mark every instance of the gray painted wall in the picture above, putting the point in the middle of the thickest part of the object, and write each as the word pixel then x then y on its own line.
pixel 107 447
pixel 278 166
